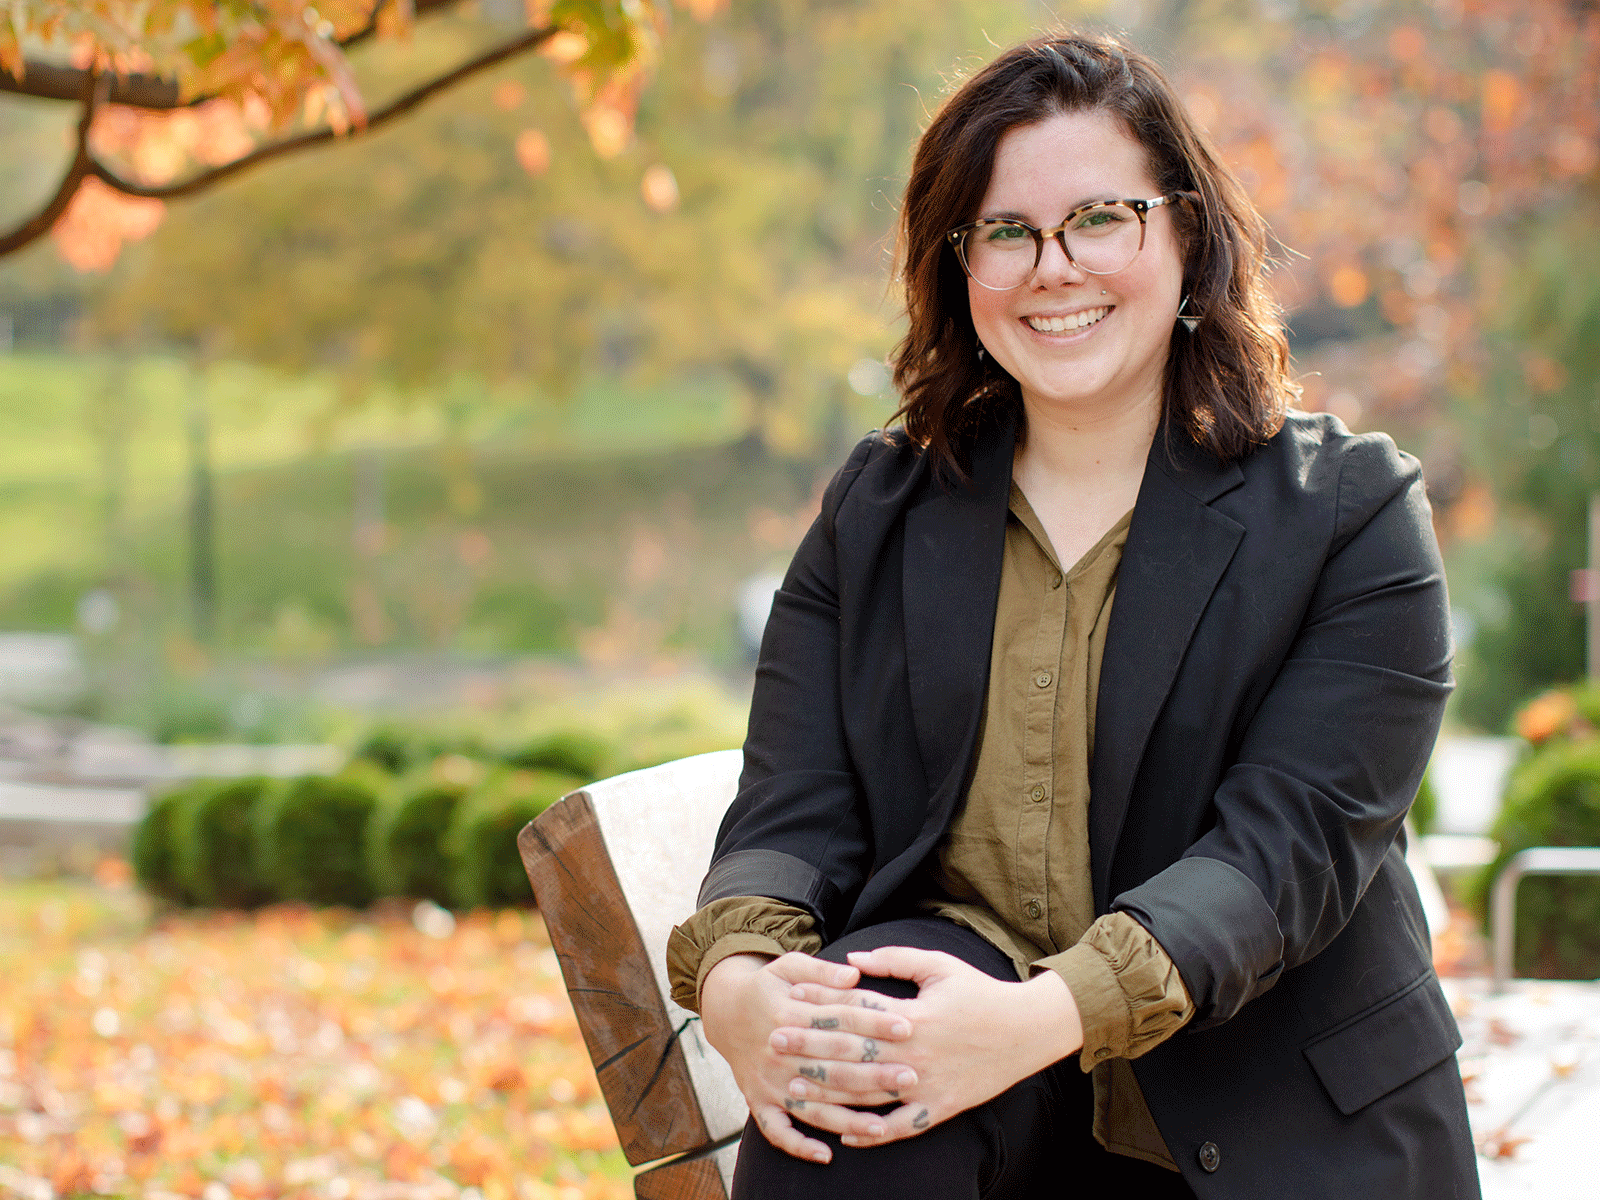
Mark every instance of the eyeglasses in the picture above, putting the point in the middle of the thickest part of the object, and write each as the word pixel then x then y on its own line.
pixel 1102 238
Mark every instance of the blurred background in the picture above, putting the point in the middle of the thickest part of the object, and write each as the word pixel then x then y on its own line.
pixel 406 410
pixel 520 378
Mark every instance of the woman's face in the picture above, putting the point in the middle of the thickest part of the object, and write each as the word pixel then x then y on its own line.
pixel 1041 173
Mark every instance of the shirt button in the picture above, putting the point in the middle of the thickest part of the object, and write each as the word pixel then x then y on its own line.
pixel 1034 910
pixel 1043 679
pixel 1056 582
pixel 1037 793
pixel 1210 1157
pixel 1103 1052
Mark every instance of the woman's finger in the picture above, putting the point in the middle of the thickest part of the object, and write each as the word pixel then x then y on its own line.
pixel 906 1121
pixel 795 967
pixel 776 1127
pixel 854 1099
pixel 846 1122
pixel 863 1022
pixel 905 962
pixel 851 1083
pixel 837 1047
pixel 816 993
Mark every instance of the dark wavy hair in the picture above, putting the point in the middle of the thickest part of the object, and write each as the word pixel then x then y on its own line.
pixel 1227 384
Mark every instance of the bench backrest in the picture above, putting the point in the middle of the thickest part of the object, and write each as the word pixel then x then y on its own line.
pixel 614 867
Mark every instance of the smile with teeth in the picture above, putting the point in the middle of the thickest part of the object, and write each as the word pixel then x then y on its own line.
pixel 1066 324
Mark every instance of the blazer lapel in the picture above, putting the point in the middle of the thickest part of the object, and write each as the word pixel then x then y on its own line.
pixel 955 539
pixel 1177 549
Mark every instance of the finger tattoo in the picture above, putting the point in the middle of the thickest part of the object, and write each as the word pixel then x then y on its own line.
pixel 869 1050
pixel 794 1105
pixel 824 1022
pixel 819 1073
pixel 865 1003
pixel 921 1120
pixel 889 1092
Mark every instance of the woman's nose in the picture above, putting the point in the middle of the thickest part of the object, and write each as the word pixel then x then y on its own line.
pixel 1055 267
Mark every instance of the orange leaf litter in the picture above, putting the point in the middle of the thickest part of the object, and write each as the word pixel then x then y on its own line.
pixel 293 1053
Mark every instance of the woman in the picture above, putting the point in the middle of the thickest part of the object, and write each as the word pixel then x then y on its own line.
pixel 1068 842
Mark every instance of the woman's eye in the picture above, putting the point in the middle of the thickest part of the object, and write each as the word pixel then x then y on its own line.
pixel 1100 218
pixel 1007 233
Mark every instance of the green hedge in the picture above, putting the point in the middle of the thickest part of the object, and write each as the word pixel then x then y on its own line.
pixel 1425 808
pixel 310 839
pixel 344 839
pixel 1552 799
pixel 568 752
pixel 481 843
pixel 424 813
pixel 406 841
pixel 154 851
pixel 214 843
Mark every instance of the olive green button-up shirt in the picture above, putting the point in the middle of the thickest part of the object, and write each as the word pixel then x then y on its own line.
pixel 1014 864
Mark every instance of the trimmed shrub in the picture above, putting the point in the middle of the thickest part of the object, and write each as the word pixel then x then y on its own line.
pixel 397 749
pixel 565 752
pixel 155 861
pixel 1553 799
pixel 387 747
pixel 311 837
pixel 214 837
pixel 405 844
pixel 485 867
pixel 1425 808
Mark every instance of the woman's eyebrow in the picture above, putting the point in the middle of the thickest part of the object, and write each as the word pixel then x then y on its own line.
pixel 1011 215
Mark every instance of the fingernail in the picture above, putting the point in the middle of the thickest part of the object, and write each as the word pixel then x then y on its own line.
pixel 905 1079
pixel 797 992
pixel 875 1130
pixel 822 1156
pixel 900 1029
pixel 796 1088
pixel 780 1042
pixel 850 1139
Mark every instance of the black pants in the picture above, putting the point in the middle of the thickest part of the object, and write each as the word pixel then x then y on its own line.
pixel 1032 1140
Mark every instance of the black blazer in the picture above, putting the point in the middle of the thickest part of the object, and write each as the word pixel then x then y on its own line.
pixel 1276 664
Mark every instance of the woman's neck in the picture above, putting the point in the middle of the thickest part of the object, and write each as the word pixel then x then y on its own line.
pixel 1081 472
pixel 1086 450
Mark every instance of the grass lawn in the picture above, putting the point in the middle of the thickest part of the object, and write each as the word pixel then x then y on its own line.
pixel 478 521
pixel 289 1053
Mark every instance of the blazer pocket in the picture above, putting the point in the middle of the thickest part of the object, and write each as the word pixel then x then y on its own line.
pixel 1389 1044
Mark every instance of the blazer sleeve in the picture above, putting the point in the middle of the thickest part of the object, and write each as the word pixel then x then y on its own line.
pixel 796 831
pixel 1331 759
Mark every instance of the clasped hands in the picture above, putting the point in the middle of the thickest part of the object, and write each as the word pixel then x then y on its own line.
pixel 805 1043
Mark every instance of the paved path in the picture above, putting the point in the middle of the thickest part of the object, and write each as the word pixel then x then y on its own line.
pixel 1531 1062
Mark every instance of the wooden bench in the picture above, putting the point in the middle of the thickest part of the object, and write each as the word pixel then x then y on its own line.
pixel 614 867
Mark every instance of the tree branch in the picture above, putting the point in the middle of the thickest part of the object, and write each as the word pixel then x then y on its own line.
pixel 51 81
pixel 396 108
pixel 82 163
pixel 47 81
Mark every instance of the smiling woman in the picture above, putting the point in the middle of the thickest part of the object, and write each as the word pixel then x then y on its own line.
pixel 1068 844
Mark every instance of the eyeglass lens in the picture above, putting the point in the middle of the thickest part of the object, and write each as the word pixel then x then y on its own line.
pixel 1101 241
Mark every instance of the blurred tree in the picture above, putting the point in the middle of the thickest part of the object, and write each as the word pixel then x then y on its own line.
pixel 205 90
pixel 1537 422
pixel 741 231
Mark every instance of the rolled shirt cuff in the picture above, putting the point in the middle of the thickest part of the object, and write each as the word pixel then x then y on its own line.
pixel 1129 993
pixel 733 925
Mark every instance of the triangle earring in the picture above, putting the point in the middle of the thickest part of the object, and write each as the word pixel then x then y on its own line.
pixel 1189 323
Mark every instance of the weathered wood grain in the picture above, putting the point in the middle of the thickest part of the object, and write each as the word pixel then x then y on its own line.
pixel 696 1179
pixel 640 1065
